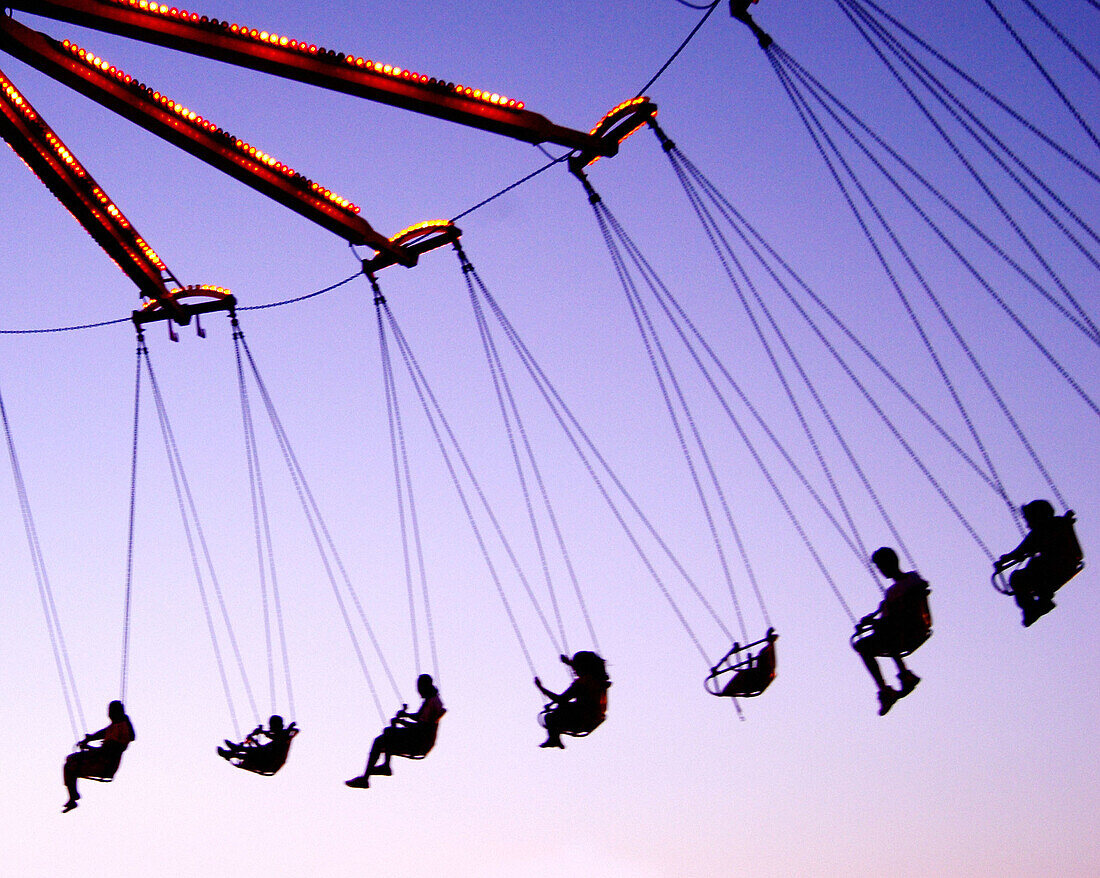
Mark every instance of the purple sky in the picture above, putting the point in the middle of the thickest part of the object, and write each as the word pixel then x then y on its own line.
pixel 988 769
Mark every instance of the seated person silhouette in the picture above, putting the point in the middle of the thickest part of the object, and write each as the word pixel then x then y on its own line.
pixel 739 9
pixel 99 763
pixel 1053 558
pixel 580 708
pixel 409 734
pixel 901 624
pixel 755 674
pixel 267 758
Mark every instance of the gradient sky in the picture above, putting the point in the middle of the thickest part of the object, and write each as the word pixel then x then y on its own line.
pixel 989 768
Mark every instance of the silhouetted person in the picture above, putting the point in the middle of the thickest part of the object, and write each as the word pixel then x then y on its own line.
pixel 1054 557
pixel 267 758
pixel 901 624
pixel 101 761
pixel 755 675
pixel 581 707
pixel 408 734
pixel 739 9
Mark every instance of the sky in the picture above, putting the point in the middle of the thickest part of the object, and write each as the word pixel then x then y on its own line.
pixel 988 768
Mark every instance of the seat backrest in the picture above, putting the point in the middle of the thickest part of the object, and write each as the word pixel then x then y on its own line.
pixel 1066 550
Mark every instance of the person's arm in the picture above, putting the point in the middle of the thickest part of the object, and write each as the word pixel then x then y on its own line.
pixel 551 695
pixel 1027 547
pixel 94 736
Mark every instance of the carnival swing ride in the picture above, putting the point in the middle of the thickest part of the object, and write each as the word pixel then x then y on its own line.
pixel 760 279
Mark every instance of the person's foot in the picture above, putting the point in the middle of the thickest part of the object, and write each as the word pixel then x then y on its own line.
pixel 360 783
pixel 383 770
pixel 553 743
pixel 908 681
pixel 69 805
pixel 887 698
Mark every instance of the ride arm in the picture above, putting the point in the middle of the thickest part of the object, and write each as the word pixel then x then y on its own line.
pixel 55 165
pixel 156 113
pixel 279 55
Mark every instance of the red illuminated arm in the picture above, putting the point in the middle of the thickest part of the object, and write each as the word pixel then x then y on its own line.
pixel 44 153
pixel 155 112
pixel 272 53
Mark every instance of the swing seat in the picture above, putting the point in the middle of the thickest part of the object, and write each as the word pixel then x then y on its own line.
pixel 100 774
pixel 740 674
pixel 576 729
pixel 908 636
pixel 1063 562
pixel 262 759
pixel 1001 582
pixel 412 753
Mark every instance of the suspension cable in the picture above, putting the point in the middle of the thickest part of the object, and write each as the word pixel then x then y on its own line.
pixel 128 592
pixel 985 92
pixel 1018 431
pixel 513 425
pixel 265 550
pixel 403 482
pixel 477 290
pixel 666 378
pixel 436 420
pixel 956 109
pixel 979 369
pixel 322 538
pixel 726 254
pixel 1063 39
pixel 45 591
pixel 806 114
pixel 580 440
pixel 193 533
pixel 829 101
pixel 1042 70
pixel 760 247
pixel 665 296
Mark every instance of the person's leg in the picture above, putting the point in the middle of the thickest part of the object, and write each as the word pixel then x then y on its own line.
pixel 69 774
pixel 907 680
pixel 867 651
pixel 869 648
pixel 554 728
pixel 376 750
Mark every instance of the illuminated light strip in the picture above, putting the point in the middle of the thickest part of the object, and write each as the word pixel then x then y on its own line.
pixel 422 229
pixel 629 115
pixel 208 290
pixel 612 116
pixel 273 39
pixel 114 215
pixel 245 149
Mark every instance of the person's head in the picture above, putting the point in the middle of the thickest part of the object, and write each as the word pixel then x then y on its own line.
pixel 586 663
pixel 1037 511
pixel 425 686
pixel 116 711
pixel 275 723
pixel 886 560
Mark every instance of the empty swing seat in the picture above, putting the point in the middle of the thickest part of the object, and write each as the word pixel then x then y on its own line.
pixel 740 673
